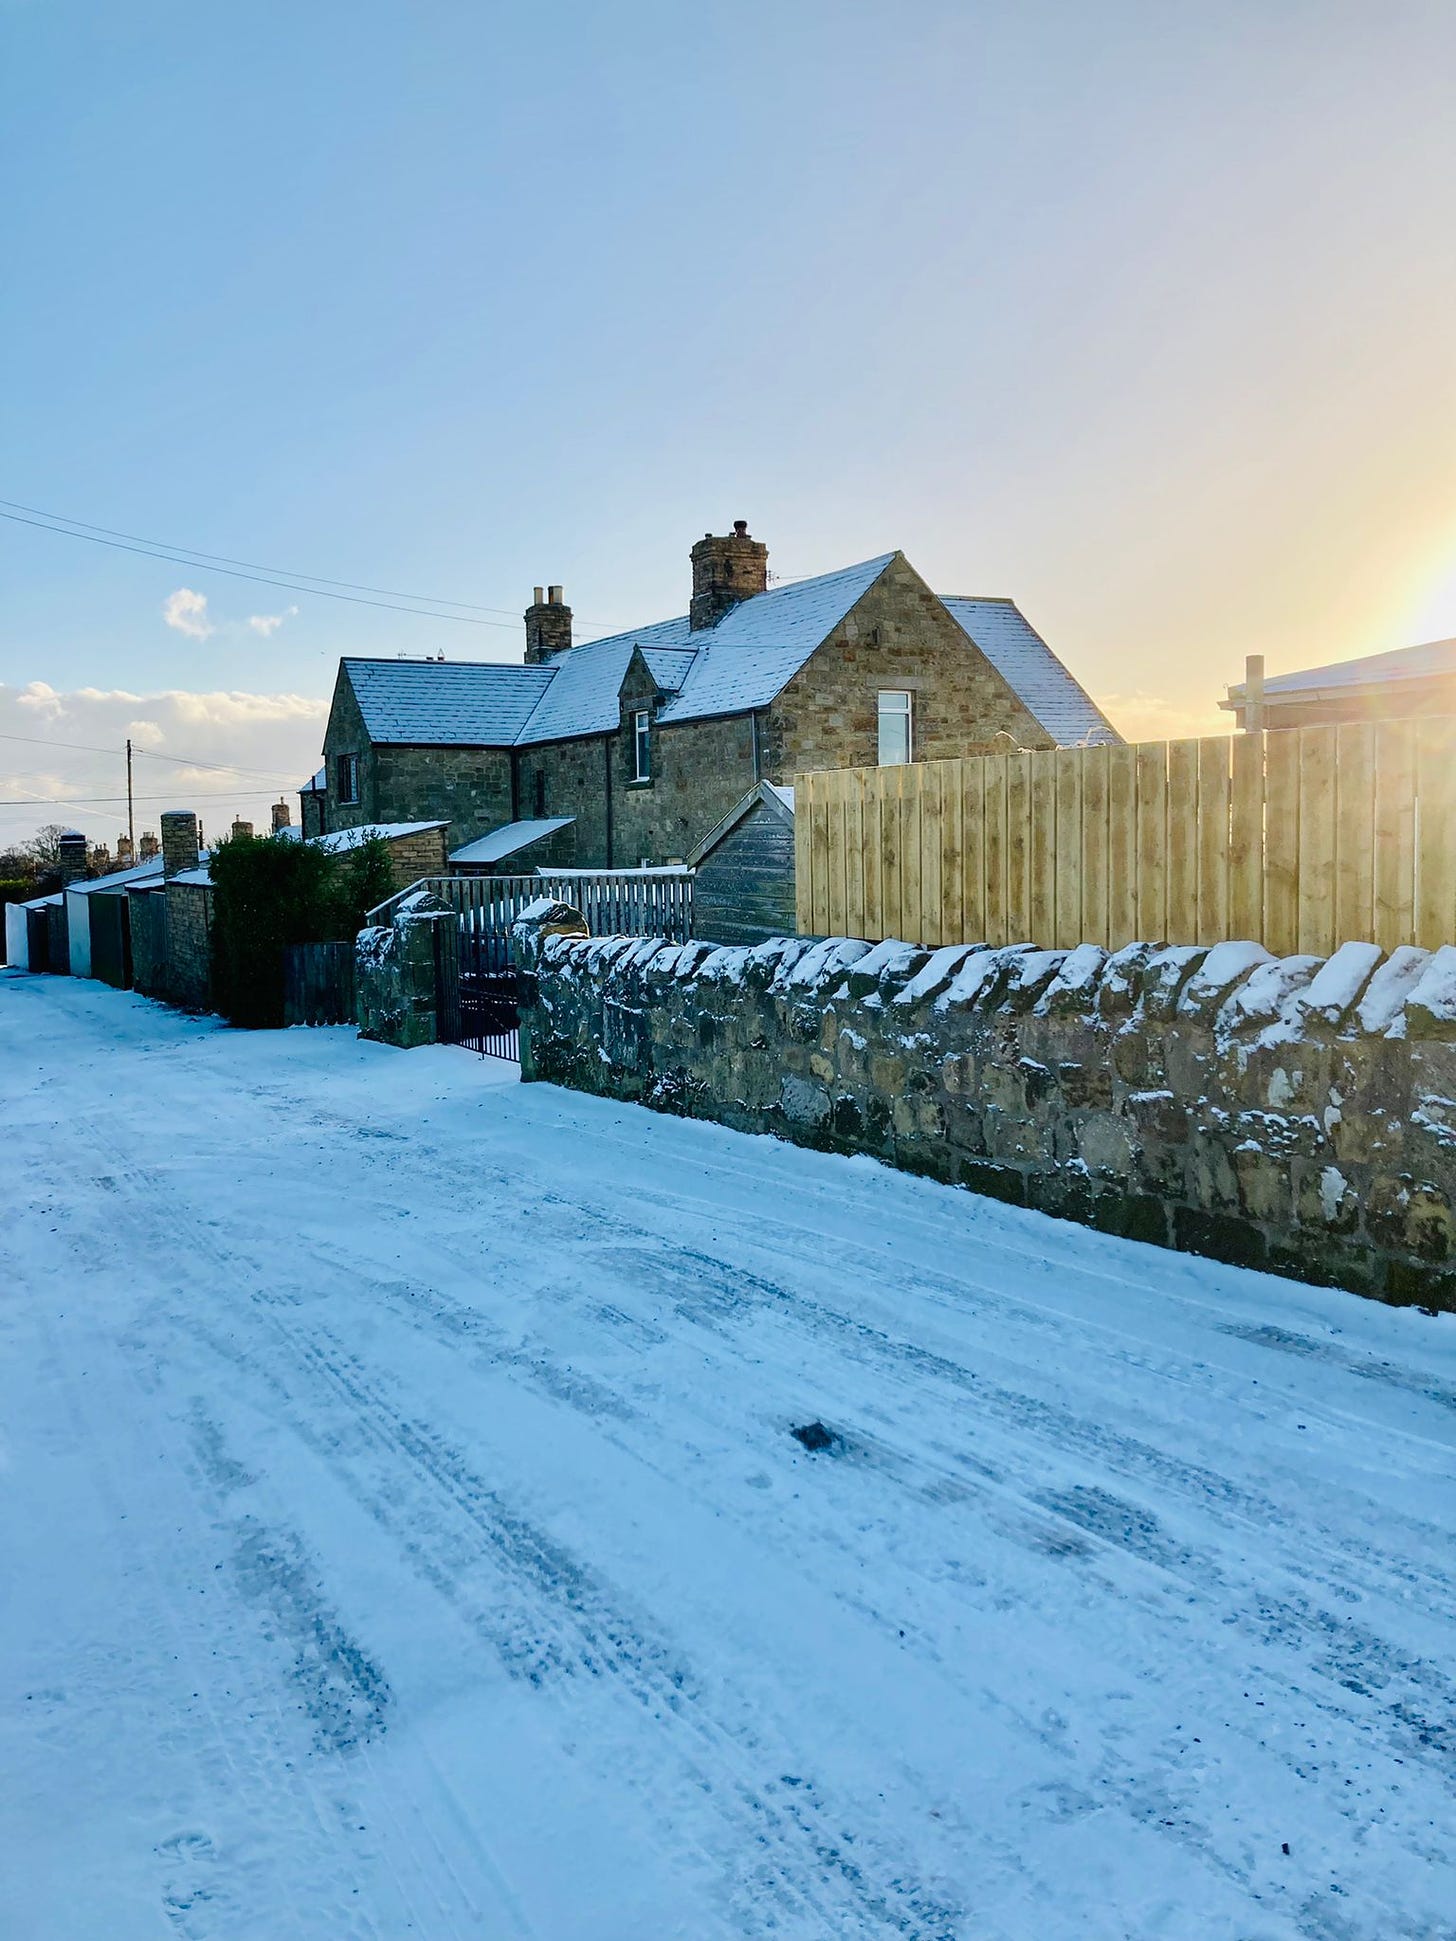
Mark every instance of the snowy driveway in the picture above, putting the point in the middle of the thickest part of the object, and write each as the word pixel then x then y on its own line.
pixel 402 1533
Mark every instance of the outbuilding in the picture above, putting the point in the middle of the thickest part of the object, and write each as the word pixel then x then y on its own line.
pixel 98 923
pixel 743 884
pixel 519 848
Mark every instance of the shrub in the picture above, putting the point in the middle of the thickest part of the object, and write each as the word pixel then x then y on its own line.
pixel 272 891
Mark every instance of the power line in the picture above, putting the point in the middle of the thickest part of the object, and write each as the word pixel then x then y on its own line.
pixel 65 801
pixel 226 559
pixel 262 579
pixel 186 761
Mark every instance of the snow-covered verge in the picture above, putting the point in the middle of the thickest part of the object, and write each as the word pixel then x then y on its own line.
pixel 1293 1114
pixel 403 1533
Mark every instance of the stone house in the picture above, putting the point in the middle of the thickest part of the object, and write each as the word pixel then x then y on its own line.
pixel 1404 685
pixel 649 738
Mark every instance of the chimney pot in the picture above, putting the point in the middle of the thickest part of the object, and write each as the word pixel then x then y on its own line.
pixel 740 527
pixel 537 596
pixel 548 626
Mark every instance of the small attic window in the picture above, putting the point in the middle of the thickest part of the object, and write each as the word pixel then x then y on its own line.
pixel 642 746
pixel 349 778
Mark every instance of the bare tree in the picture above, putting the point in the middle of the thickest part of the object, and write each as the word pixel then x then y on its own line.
pixel 44 847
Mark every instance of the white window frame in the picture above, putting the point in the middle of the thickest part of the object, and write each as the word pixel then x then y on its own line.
pixel 642 745
pixel 349 780
pixel 896 713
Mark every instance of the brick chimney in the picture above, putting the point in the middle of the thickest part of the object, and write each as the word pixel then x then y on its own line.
pixel 725 571
pixel 548 626
pixel 179 841
pixel 71 857
pixel 282 815
pixel 240 828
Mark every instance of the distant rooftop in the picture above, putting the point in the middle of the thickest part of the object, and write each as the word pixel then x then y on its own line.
pixel 1435 660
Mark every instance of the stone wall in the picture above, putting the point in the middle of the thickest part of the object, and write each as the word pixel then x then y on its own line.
pixel 422 854
pixel 396 979
pixel 189 945
pixel 1294 1115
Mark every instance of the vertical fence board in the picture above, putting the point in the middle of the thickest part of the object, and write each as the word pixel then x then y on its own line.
pixel 1041 918
pixel 952 852
pixel 1152 841
pixel 1281 841
pixel 929 796
pixel 1067 854
pixel 1246 838
pixel 1435 822
pixel 1395 833
pixel 1092 863
pixel 1018 848
pixel 1315 891
pixel 820 856
pixel 874 920
pixel 1213 839
pixel 1182 842
pixel 1354 812
pixel 908 799
pixel 974 776
pixel 854 855
pixel 995 850
pixel 891 874
pixel 1122 853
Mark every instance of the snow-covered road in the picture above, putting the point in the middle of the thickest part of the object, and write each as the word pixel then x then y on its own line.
pixel 402 1533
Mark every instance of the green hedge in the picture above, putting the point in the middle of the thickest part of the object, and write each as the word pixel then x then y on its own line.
pixel 272 891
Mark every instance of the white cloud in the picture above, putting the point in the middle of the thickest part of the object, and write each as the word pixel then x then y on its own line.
pixel 275 737
pixel 186 612
pixel 267 624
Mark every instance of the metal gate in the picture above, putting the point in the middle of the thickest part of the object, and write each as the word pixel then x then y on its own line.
pixel 478 1002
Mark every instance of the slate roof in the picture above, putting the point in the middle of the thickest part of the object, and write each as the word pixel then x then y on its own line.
pixel 340 839
pixel 1024 661
pixel 119 879
pixel 1432 661
pixel 476 704
pixel 742 663
pixel 508 839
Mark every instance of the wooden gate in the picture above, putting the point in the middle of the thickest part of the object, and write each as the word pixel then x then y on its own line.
pixel 318 983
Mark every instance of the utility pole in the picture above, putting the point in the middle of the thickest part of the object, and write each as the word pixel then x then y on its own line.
pixel 130 813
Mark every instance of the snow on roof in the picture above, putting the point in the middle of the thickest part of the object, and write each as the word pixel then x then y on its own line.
pixel 201 875
pixel 785 795
pixel 758 646
pixel 506 840
pixel 751 655
pixel 1022 658
pixel 319 782
pixel 339 840
pixel 137 873
pixel 1432 661
pixel 446 703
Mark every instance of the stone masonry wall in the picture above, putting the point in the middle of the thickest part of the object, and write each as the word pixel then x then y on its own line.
pixel 1293 1115
pixel 897 636
pixel 189 945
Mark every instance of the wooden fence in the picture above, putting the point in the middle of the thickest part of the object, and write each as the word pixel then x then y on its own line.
pixel 1299 838
pixel 615 902
pixel 318 983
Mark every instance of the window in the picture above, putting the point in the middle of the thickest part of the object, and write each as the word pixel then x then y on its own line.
pixel 642 746
pixel 348 778
pixel 894 727
pixel 540 803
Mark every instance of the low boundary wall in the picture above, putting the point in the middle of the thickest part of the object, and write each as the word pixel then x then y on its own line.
pixel 1296 1114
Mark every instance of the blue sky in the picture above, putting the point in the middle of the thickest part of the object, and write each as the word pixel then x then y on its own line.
pixel 1138 313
